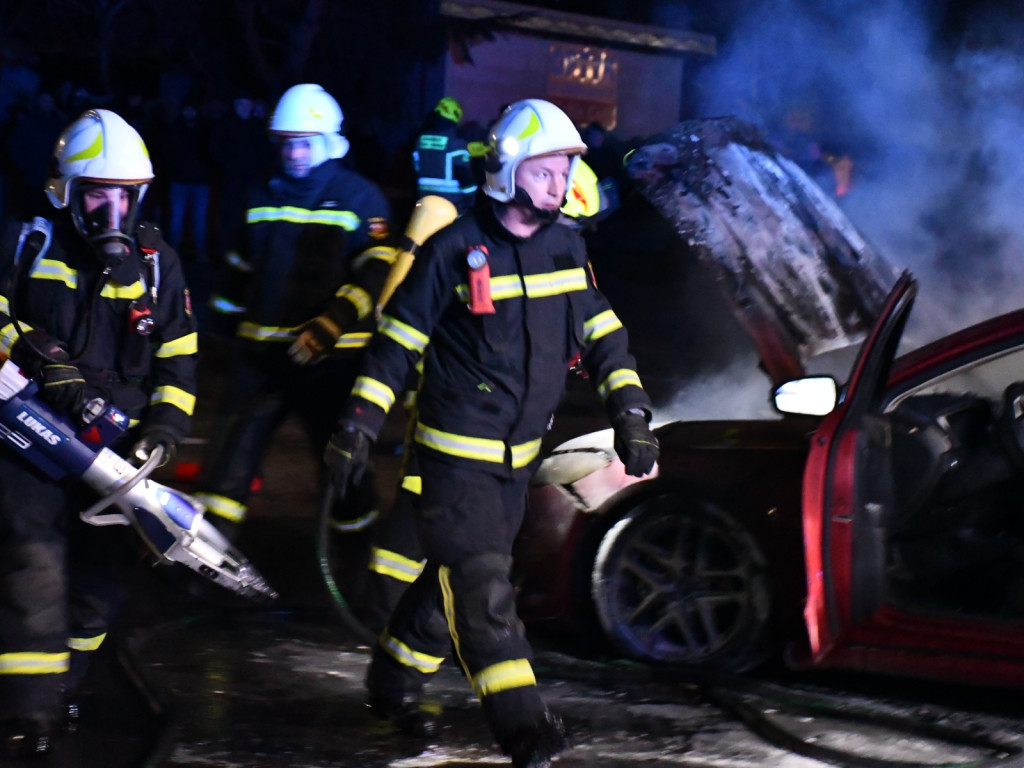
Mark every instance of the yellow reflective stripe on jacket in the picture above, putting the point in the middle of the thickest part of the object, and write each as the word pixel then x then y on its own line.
pixel 398 567
pixel 254 332
pixel 248 330
pixel 347 220
pixel 9 337
pixel 376 392
pixel 407 657
pixel 503 676
pixel 360 523
pixel 222 506
pixel 623 377
pixel 403 334
pixel 503 287
pixel 48 269
pixel 413 484
pixel 175 396
pixel 525 453
pixel 183 345
pixel 86 644
pixel 117 291
pixel 28 663
pixel 554 283
pixel 385 253
pixel 536 286
pixel 359 297
pixel 5 305
pixel 480 448
pixel 354 340
pixel 600 325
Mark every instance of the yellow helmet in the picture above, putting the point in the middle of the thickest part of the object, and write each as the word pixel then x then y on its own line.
pixel 584 195
pixel 449 109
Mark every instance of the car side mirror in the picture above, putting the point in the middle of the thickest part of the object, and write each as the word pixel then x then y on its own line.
pixel 810 396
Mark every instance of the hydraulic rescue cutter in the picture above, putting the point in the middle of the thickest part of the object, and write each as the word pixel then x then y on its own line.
pixel 170 523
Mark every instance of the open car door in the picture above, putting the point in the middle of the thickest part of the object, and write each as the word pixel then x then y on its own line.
pixel 834 528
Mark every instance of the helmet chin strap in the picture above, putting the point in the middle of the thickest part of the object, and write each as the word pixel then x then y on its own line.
pixel 543 215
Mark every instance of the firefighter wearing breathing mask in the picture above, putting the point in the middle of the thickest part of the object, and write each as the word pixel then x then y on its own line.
pixel 92 305
pixel 318 237
pixel 497 304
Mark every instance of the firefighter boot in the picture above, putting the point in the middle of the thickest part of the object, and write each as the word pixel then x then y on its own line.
pixel 534 746
pixel 25 738
pixel 405 713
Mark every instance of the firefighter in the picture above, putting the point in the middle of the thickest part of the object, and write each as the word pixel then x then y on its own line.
pixel 317 239
pixel 395 556
pixel 441 157
pixel 91 305
pixel 497 303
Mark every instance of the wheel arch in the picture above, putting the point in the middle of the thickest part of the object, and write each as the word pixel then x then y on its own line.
pixel 645 499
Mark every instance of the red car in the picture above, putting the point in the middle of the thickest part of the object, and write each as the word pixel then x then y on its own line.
pixel 885 536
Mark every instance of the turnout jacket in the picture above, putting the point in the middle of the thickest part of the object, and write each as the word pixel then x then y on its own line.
pixel 311 243
pixel 151 378
pixel 491 381
pixel 442 163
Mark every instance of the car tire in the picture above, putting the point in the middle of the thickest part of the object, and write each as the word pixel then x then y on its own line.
pixel 681 582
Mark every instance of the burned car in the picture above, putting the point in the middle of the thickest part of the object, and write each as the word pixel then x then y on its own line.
pixel 885 535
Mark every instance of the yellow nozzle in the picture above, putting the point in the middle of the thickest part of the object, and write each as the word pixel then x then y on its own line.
pixel 430 214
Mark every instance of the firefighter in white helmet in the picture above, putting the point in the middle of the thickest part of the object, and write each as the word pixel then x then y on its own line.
pixel 318 245
pixel 92 304
pixel 497 304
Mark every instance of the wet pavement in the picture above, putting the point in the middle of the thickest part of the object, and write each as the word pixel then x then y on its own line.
pixel 193 675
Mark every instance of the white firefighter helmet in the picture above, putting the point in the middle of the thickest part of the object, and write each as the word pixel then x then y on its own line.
pixel 307 110
pixel 100 154
pixel 528 128
pixel 100 146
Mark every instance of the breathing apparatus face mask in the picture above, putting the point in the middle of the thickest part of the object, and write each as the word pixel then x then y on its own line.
pixel 104 214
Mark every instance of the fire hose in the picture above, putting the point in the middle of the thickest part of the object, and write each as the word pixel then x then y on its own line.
pixel 349 620
pixel 757 704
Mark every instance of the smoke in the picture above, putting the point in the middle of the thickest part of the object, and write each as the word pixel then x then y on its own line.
pixel 698 398
pixel 936 135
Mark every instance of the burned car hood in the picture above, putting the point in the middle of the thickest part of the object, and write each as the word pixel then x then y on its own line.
pixel 801 279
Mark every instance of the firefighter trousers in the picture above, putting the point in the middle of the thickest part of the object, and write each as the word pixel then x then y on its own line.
pixel 265 388
pixel 61 581
pixel 463 600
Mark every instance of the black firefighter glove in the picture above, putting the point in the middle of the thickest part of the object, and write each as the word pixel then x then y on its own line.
pixel 635 444
pixel 44 358
pixel 346 456
pixel 62 386
pixel 316 338
pixel 153 437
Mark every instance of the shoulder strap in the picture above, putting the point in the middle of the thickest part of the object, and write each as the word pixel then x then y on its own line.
pixel 149 245
pixel 39 226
